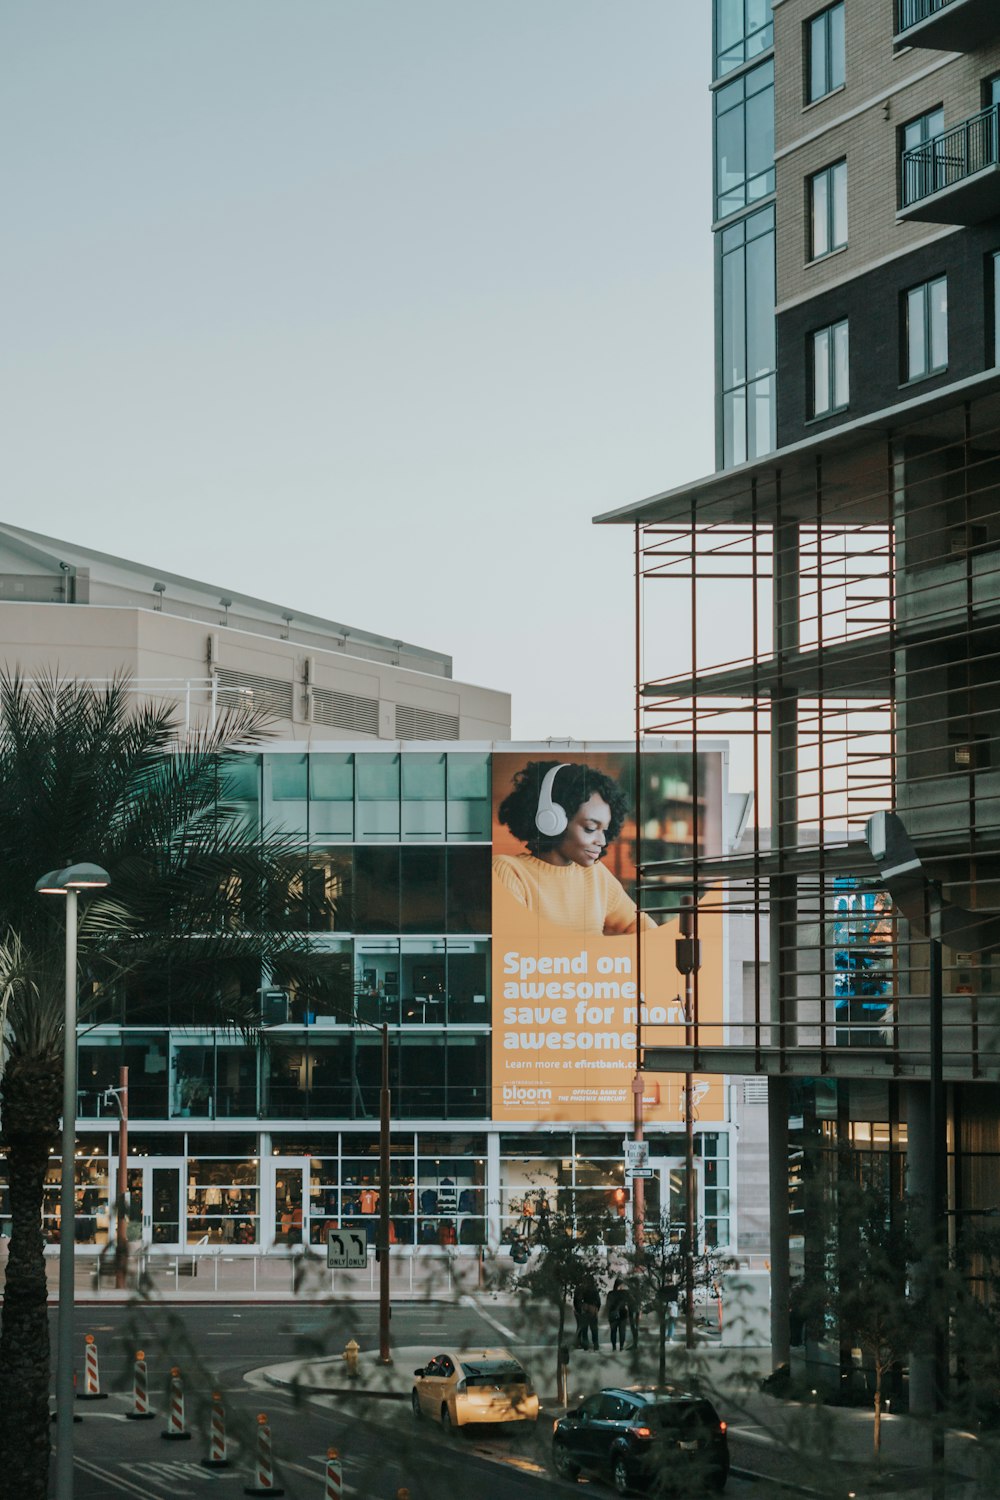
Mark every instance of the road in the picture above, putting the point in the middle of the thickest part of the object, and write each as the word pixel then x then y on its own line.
pixel 382 1449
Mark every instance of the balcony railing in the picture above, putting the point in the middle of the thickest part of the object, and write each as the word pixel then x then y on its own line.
pixel 943 169
pixel 912 12
pixel 950 25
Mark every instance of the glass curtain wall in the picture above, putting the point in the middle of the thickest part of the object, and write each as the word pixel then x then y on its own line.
pixel 745 232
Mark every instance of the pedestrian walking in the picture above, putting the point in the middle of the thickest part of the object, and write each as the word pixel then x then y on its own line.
pixel 618 1307
pixel 587 1306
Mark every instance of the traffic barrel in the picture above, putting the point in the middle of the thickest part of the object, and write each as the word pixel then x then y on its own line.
pixel 334 1476
pixel 216 1436
pixel 91 1373
pixel 176 1425
pixel 140 1391
pixel 265 1466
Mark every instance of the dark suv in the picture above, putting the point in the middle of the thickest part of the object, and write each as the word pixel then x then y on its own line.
pixel 647 1438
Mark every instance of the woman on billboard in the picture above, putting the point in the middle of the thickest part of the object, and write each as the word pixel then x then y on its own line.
pixel 566 815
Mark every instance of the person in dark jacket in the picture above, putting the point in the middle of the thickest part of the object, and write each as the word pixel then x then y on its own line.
pixel 587 1305
pixel 619 1308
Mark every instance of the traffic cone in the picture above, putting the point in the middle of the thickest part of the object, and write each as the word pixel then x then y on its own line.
pixel 334 1476
pixel 140 1391
pixel 217 1436
pixel 176 1425
pixel 91 1374
pixel 264 1468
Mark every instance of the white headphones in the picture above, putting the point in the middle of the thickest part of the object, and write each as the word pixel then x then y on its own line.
pixel 550 817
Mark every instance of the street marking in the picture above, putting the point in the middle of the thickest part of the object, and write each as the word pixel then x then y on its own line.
pixel 508 1333
pixel 348 1489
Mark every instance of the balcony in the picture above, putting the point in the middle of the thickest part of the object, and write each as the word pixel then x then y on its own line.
pixel 946 25
pixel 954 178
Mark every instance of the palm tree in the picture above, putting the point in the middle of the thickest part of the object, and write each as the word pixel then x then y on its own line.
pixel 98 774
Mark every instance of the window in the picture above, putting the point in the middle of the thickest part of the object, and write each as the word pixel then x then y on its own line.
pixel 926 329
pixel 746 336
pixel 828 210
pixel 993 293
pixel 830 379
pixel 825 68
pixel 743 29
pixel 922 155
pixel 744 140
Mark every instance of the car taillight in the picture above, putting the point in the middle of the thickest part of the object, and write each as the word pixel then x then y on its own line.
pixel 641 1432
pixel 723 1426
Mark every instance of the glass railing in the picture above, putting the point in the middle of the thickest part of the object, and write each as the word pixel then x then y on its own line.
pixel 912 12
pixel 947 159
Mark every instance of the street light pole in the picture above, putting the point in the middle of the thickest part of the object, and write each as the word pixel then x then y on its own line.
pixel 67 1217
pixel 68 883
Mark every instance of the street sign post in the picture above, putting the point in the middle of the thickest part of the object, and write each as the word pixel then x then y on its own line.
pixel 346 1249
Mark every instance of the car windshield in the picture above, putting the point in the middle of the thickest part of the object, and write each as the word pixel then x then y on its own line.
pixel 495 1372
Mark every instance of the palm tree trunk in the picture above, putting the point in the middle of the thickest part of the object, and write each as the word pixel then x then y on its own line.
pixel 877 1431
pixel 30 1103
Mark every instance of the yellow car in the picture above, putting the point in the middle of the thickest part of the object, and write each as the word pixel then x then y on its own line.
pixel 487 1385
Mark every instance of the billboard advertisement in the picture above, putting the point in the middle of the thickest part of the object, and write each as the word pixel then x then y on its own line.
pixel 566 932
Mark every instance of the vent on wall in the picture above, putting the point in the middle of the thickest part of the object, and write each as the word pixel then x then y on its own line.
pixel 243 689
pixel 345 711
pixel 422 724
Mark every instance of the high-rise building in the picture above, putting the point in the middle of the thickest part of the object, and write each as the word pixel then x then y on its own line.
pixel 837 609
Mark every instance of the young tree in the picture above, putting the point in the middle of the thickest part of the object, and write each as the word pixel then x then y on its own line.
pixel 873 1298
pixel 99 775
pixel 568 1260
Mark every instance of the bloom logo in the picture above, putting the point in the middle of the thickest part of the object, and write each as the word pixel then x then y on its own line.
pixel 515 1093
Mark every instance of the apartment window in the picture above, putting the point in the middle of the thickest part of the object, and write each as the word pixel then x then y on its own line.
pixel 830 370
pixel 744 140
pixel 927 329
pixel 743 29
pixel 828 210
pixel 825 66
pixel 923 158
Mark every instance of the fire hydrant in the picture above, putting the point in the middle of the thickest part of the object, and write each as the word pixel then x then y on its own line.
pixel 351 1352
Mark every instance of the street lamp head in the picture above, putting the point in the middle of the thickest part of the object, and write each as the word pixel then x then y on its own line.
pixel 81 877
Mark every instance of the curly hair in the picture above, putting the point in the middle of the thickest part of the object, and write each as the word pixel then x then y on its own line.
pixel 574 785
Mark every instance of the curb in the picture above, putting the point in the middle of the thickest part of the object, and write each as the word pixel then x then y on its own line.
pixel 783 1484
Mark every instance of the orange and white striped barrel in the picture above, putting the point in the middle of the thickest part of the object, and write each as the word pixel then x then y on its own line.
pixel 334 1476
pixel 140 1391
pixel 176 1423
pixel 217 1458
pixel 265 1466
pixel 91 1373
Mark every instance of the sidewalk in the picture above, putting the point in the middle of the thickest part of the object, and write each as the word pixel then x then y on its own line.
pixel 296 1276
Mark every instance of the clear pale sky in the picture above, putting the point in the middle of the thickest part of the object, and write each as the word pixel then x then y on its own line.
pixel 366 307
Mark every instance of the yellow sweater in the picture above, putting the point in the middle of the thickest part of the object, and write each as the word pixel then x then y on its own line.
pixel 587 900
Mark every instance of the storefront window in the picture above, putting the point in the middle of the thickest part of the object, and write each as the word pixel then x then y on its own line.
pixel 376 980
pixel 450 1193
pixel 192 1085
pixel 223 1201
pixel 92 1207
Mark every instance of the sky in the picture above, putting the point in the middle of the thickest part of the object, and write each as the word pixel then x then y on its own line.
pixel 365 307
